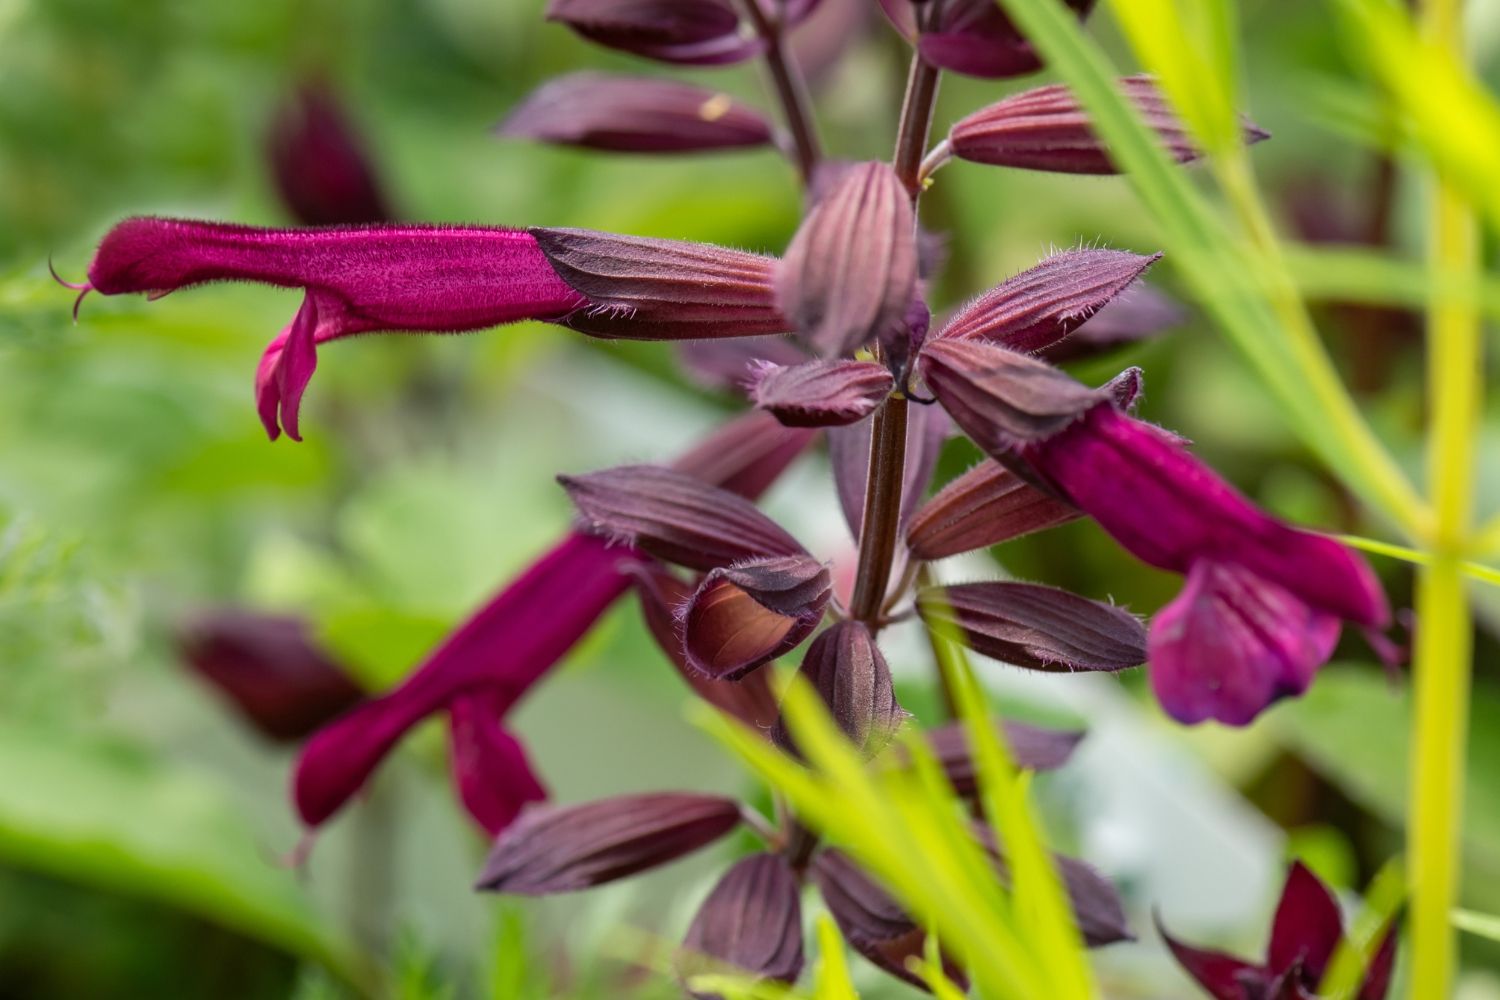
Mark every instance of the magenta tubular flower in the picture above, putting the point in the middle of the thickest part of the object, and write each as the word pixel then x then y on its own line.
pixel 1263 601
pixel 1305 933
pixel 487 665
pixel 434 279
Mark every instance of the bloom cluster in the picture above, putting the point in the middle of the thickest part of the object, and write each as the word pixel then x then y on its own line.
pixel 834 340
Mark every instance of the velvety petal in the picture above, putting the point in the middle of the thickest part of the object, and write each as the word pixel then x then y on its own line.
pixel 847 669
pixel 1232 643
pixel 651 289
pixel 1032 748
pixel 985 506
pixel 849 273
pixel 691 32
pixel 1046 129
pixel 1037 308
pixel 635 114
pixel 510 643
pixel 749 699
pixel 730 365
pixel 821 393
pixel 927 428
pixel 319 162
pixel 675 517
pixel 1146 489
pixel 1041 628
pixel 1307 926
pixel 494 777
pixel 1223 976
pixel 269 669
pixel 743 616
pixel 746 455
pixel 554 849
pixel 1000 398
pixel 436 279
pixel 750 922
pixel 1139 313
pixel 871 921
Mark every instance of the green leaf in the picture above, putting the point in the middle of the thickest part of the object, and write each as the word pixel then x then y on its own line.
pixel 105 816
pixel 1352 726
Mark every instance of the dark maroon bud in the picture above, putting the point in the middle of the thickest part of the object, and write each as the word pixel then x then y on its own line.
pixel 1094 900
pixel 269 669
pixel 730 365
pixel 746 455
pixel 322 169
pixel 871 921
pixel 635 114
pixel 1140 313
pixel 849 273
pixel 1032 748
pixel 648 289
pixel 985 506
pixel 749 699
pixel 675 516
pixel 821 393
pixel 849 672
pixel 1046 129
pixel 1002 399
pixel 692 32
pixel 564 848
pixel 973 37
pixel 1125 389
pixel 1039 307
pixel 1040 628
pixel 750 922
pixel 743 616
pixel 927 428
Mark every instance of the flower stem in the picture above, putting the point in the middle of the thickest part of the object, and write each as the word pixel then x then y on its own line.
pixel 916 122
pixel 1445 636
pixel 791 89
pixel 881 525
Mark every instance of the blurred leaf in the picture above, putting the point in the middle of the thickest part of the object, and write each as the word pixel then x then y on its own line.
pixel 104 816
pixel 1352 727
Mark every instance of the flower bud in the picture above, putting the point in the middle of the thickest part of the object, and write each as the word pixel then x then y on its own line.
pixel 742 617
pixel 821 393
pixel 750 923
pixel 554 849
pixel 847 669
pixel 985 506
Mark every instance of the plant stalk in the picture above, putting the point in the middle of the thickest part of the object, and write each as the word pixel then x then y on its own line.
pixel 791 89
pixel 1444 646
pixel 880 529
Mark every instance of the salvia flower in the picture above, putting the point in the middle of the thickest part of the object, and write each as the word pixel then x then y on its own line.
pixel 1305 932
pixel 634 114
pixel 487 665
pixel 1263 602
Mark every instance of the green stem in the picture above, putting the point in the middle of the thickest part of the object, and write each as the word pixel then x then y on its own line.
pixel 1445 635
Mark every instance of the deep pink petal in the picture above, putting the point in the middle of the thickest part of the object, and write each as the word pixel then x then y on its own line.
pixel 1223 976
pixel 494 778
pixel 1232 643
pixel 510 643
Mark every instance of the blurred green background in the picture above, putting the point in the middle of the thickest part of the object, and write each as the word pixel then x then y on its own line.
pixel 141 823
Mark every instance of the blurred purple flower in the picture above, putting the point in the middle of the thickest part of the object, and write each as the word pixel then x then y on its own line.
pixel 319 161
pixel 269 668
pixel 1305 933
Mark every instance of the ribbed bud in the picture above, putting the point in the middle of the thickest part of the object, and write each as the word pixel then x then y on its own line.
pixel 750 923
pixel 743 616
pixel 985 506
pixel 847 669
pixel 821 393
